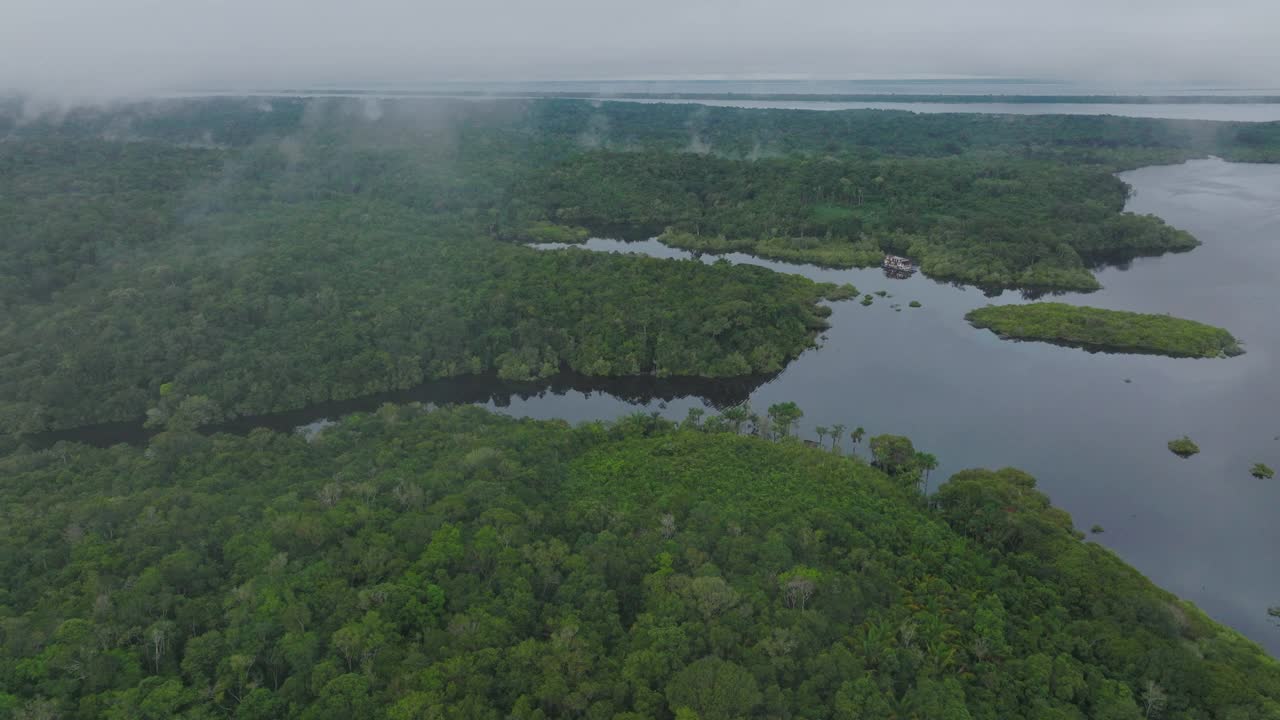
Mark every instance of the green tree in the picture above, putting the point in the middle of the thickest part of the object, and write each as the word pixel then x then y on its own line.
pixel 927 462
pixel 345 697
pixel 737 416
pixel 837 436
pixel 894 454
pixel 715 689
pixel 861 700
pixel 784 416
pixel 856 437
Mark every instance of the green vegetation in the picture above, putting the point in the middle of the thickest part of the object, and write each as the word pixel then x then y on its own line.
pixel 459 564
pixel 545 232
pixel 1262 471
pixel 992 220
pixel 285 274
pixel 914 304
pixel 1183 447
pixel 1097 529
pixel 815 251
pixel 262 255
pixel 840 292
pixel 1106 330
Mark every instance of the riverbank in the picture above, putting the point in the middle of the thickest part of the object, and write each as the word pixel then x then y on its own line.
pixel 439 540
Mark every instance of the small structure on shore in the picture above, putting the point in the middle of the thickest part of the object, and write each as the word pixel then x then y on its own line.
pixel 898 266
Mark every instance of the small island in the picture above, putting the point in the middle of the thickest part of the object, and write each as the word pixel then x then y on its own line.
pixel 1183 447
pixel 1262 471
pixel 1096 329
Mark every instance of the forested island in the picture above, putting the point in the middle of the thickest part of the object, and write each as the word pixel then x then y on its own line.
pixel 1099 329
pixel 455 563
pixel 207 259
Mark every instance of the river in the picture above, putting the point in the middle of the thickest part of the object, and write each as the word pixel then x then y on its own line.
pixel 1203 527
pixel 1221 111
pixel 1091 426
pixel 1235 112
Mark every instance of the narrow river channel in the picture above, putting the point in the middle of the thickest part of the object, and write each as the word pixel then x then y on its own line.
pixel 1091 426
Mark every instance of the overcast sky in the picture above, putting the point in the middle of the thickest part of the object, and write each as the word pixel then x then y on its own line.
pixel 107 46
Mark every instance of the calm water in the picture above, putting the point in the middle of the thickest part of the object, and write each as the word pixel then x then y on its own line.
pixel 904 85
pixel 1259 112
pixel 1250 112
pixel 1203 527
pixel 1237 112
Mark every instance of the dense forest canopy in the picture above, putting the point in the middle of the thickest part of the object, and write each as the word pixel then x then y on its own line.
pixel 205 259
pixel 196 260
pixel 459 564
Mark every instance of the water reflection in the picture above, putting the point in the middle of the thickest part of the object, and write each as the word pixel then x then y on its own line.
pixel 1091 427
pixel 621 394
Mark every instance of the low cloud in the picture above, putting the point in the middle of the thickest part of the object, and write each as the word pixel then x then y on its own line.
pixel 94 48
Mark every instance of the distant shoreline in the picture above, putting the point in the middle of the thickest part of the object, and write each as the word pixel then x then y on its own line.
pixel 808 97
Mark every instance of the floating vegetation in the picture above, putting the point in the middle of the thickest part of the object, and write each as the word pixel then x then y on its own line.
pixel 1183 447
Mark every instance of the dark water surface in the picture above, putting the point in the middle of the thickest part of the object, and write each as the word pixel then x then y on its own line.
pixel 1226 112
pixel 1234 112
pixel 958 87
pixel 1203 528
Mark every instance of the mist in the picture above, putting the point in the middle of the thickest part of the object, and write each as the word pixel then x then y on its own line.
pixel 97 48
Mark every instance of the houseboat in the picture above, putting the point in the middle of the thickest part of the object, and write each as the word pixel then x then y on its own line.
pixel 897 266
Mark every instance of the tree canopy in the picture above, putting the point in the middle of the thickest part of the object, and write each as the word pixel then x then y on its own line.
pixel 455 563
pixel 258 255
pixel 1106 330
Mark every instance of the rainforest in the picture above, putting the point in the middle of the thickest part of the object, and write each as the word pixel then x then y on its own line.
pixel 456 563
pixel 245 256
pixel 178 264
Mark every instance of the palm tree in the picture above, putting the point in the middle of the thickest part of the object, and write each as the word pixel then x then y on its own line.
pixel 928 463
pixel 837 434
pixel 856 436
pixel 737 415
pixel 784 416
pixel 822 434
